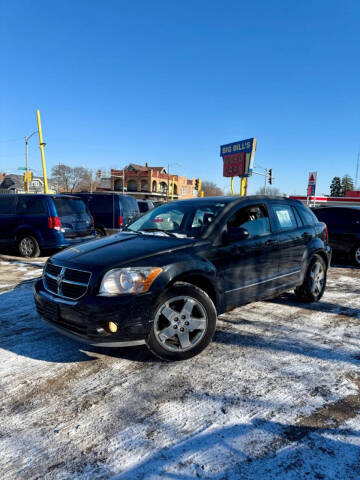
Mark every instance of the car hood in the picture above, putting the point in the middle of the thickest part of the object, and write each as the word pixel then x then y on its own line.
pixel 118 250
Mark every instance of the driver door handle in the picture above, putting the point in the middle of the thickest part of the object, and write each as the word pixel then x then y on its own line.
pixel 269 242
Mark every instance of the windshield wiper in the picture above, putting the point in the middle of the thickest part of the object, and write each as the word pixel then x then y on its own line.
pixel 161 231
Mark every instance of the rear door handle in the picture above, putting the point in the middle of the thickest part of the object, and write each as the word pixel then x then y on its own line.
pixel 306 235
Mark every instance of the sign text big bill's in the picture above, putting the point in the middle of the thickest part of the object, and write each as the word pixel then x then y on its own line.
pixel 238 158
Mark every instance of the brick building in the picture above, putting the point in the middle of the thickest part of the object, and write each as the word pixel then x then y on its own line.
pixel 152 183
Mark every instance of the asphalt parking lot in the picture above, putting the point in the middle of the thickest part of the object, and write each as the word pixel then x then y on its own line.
pixel 276 395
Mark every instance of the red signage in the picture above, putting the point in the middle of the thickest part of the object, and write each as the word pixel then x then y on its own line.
pixel 311 190
pixel 234 165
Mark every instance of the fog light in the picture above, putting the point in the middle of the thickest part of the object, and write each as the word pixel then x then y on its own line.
pixel 112 327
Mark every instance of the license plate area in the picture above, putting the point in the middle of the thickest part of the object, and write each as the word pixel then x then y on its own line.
pixel 50 311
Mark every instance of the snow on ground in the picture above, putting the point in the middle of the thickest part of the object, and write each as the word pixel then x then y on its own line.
pixel 276 395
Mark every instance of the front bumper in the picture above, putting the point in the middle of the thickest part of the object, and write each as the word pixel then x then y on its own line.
pixel 86 319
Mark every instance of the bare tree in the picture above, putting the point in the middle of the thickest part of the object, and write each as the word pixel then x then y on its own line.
pixel 210 189
pixel 271 191
pixel 69 179
pixel 91 180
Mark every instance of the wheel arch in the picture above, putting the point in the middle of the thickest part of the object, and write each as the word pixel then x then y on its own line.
pixel 21 232
pixel 201 281
pixel 321 254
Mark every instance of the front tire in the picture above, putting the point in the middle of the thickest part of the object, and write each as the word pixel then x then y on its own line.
pixel 28 246
pixel 314 283
pixel 184 323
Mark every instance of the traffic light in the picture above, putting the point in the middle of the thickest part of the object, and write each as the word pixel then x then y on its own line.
pixel 270 176
pixel 198 184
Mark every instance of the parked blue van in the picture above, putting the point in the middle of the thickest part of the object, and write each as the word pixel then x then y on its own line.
pixel 111 211
pixel 35 222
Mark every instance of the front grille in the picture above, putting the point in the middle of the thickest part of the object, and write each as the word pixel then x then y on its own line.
pixel 66 282
pixel 53 269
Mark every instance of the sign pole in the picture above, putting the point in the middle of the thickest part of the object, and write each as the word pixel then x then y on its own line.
pixel 27 163
pixel 232 186
pixel 42 144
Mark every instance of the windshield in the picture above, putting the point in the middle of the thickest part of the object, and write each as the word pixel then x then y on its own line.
pixel 179 219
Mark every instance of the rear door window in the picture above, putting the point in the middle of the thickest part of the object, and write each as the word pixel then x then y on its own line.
pixel 284 217
pixel 31 206
pixel 7 205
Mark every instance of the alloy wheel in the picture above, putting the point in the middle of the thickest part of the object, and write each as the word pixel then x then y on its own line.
pixel 317 275
pixel 180 323
pixel 26 246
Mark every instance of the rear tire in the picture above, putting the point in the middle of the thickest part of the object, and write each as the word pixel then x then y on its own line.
pixel 355 256
pixel 184 323
pixel 99 232
pixel 28 246
pixel 314 283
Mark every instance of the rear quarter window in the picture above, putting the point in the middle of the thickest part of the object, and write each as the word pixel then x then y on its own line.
pixel 7 205
pixel 100 205
pixel 143 207
pixel 31 206
pixel 306 215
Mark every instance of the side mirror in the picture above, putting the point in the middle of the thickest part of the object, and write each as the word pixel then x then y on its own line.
pixel 235 234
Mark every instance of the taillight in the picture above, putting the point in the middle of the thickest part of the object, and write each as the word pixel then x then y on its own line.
pixel 326 232
pixel 92 221
pixel 120 221
pixel 54 223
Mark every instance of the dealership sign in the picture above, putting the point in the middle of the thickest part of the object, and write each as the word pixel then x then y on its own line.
pixel 238 158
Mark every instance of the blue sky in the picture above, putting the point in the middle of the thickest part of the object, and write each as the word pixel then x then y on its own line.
pixel 169 81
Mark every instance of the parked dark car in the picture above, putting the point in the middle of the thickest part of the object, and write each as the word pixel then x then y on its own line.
pixel 344 230
pixel 164 280
pixel 145 206
pixel 36 222
pixel 111 211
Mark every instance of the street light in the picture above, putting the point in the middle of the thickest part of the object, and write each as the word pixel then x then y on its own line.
pixel 27 138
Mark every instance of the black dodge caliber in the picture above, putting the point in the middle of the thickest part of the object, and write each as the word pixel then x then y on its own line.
pixel 165 278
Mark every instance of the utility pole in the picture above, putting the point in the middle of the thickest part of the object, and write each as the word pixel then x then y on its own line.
pixel 357 171
pixel 123 182
pixel 265 178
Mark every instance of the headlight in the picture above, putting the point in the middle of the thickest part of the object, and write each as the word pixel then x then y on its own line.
pixel 128 280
